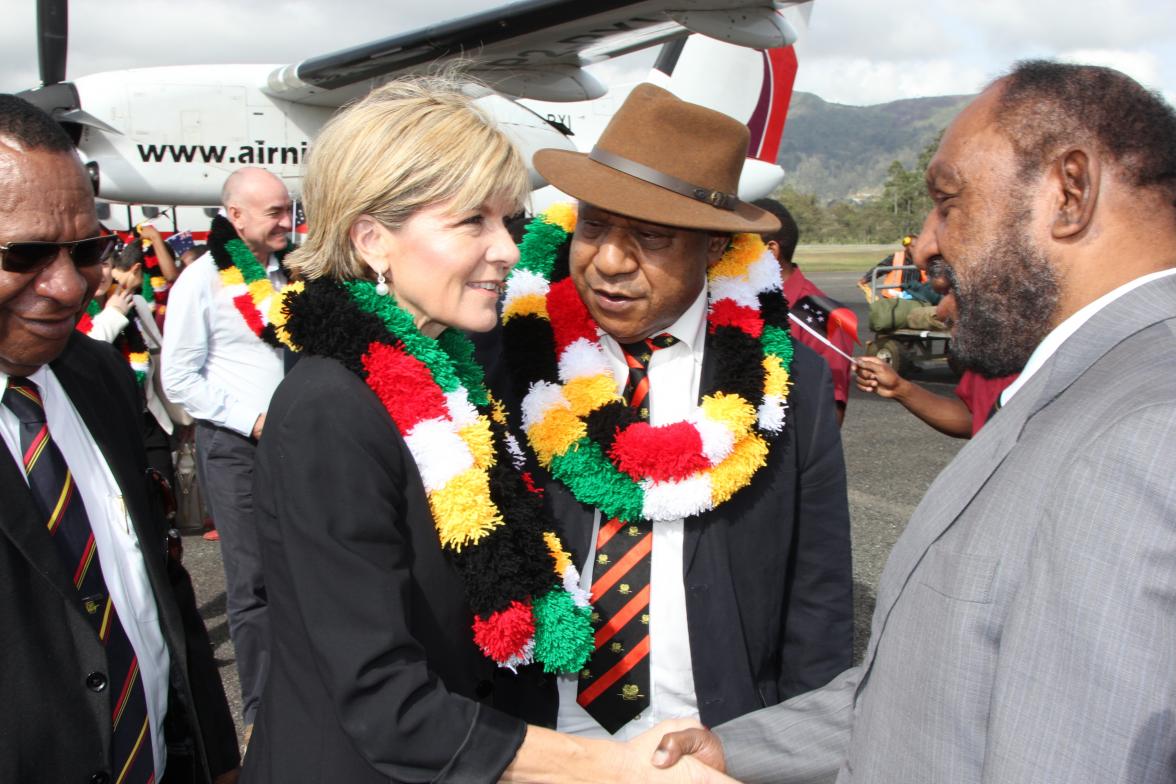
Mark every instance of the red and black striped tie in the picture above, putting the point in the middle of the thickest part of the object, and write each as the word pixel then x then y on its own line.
pixel 614 687
pixel 56 497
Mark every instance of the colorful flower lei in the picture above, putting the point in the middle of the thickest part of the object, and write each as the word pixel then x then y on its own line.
pixel 521 585
pixel 244 277
pixel 580 428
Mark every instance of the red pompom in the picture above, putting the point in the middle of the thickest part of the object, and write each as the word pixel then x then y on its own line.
pixel 661 453
pixel 505 634
pixel 244 303
pixel 569 318
pixel 404 385
pixel 727 313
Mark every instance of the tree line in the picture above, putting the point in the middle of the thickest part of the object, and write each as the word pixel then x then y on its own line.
pixel 898 210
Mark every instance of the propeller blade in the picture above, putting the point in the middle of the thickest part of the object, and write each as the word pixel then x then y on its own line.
pixel 52 38
pixel 82 117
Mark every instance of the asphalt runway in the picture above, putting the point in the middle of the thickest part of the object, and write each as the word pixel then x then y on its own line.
pixel 891 458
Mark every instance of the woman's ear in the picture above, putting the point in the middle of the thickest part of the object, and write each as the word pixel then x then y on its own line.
pixel 369 238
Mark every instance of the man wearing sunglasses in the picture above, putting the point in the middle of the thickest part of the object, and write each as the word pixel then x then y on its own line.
pixel 109 675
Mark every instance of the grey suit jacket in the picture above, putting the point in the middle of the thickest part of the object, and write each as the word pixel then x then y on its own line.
pixel 1025 629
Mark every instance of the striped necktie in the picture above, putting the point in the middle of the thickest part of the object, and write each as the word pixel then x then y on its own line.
pixel 614 687
pixel 56 498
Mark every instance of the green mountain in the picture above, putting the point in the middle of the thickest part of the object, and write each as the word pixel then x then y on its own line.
pixel 840 152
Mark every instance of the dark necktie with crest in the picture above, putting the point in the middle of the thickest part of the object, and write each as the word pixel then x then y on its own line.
pixel 56 498
pixel 614 686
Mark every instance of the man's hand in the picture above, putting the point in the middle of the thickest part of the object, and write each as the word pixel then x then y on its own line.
pixel 258 425
pixel 228 777
pixel 876 375
pixel 696 741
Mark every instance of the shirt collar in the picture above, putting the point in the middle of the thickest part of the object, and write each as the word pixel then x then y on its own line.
pixel 1062 332
pixel 689 329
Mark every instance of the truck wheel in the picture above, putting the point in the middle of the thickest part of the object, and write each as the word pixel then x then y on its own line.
pixel 890 351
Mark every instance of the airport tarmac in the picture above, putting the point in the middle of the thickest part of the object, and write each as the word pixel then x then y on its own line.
pixel 891 458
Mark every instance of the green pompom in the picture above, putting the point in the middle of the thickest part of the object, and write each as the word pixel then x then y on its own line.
pixel 538 249
pixel 461 353
pixel 595 481
pixel 245 261
pixel 563 632
pixel 779 342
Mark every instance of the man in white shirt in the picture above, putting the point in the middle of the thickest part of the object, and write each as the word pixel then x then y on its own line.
pixel 109 675
pixel 221 363
pixel 729 587
pixel 1024 624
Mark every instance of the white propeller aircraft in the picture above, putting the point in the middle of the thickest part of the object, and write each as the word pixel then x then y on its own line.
pixel 171 135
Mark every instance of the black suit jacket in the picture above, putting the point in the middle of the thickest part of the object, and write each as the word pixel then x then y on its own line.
pixel 53 728
pixel 374 675
pixel 768 574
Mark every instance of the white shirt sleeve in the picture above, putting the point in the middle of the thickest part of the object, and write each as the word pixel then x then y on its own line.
pixel 107 324
pixel 186 335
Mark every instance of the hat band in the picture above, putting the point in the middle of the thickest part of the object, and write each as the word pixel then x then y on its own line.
pixel 719 199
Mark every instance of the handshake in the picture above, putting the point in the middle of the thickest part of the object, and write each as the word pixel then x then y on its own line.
pixel 684 741
pixel 680 751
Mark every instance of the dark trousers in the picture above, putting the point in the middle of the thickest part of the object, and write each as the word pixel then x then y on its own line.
pixel 224 465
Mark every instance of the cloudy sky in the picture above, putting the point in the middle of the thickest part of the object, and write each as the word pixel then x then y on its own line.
pixel 855 51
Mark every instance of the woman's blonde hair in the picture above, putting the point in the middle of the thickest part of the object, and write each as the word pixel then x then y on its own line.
pixel 408 144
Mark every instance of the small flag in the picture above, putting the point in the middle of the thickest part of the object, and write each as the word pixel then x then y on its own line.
pixel 826 316
pixel 299 218
pixel 180 242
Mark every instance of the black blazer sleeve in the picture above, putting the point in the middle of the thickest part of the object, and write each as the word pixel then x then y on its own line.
pixel 337 471
pixel 818 632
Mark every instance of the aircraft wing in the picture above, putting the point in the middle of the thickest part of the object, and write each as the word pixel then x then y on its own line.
pixel 533 48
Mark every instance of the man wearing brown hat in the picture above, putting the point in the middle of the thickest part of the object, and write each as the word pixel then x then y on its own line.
pixel 688 449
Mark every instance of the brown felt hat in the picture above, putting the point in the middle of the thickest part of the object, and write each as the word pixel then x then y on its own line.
pixel 663 160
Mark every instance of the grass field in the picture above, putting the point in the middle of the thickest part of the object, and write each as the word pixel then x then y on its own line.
pixel 830 258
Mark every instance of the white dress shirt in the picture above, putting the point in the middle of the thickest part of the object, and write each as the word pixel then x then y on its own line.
pixel 1062 332
pixel 213 364
pixel 674 375
pixel 119 553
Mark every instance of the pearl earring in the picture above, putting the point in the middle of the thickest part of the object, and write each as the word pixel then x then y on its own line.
pixel 381 285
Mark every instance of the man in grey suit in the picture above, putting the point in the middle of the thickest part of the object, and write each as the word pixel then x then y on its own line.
pixel 1025 628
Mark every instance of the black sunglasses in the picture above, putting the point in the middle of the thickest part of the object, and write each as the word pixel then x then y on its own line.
pixel 20 257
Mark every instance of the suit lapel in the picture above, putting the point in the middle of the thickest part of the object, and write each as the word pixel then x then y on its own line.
pixel 21 523
pixel 967 474
pixel 89 393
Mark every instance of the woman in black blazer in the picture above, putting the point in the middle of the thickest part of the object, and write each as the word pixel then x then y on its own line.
pixel 409 568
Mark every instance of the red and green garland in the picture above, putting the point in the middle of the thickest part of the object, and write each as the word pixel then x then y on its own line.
pixel 579 427
pixel 244 277
pixel 521 585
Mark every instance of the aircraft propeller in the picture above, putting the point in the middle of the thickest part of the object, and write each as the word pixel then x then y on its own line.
pixel 55 96
pixel 52 39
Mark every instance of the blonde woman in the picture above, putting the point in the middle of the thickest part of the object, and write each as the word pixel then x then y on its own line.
pixel 410 572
